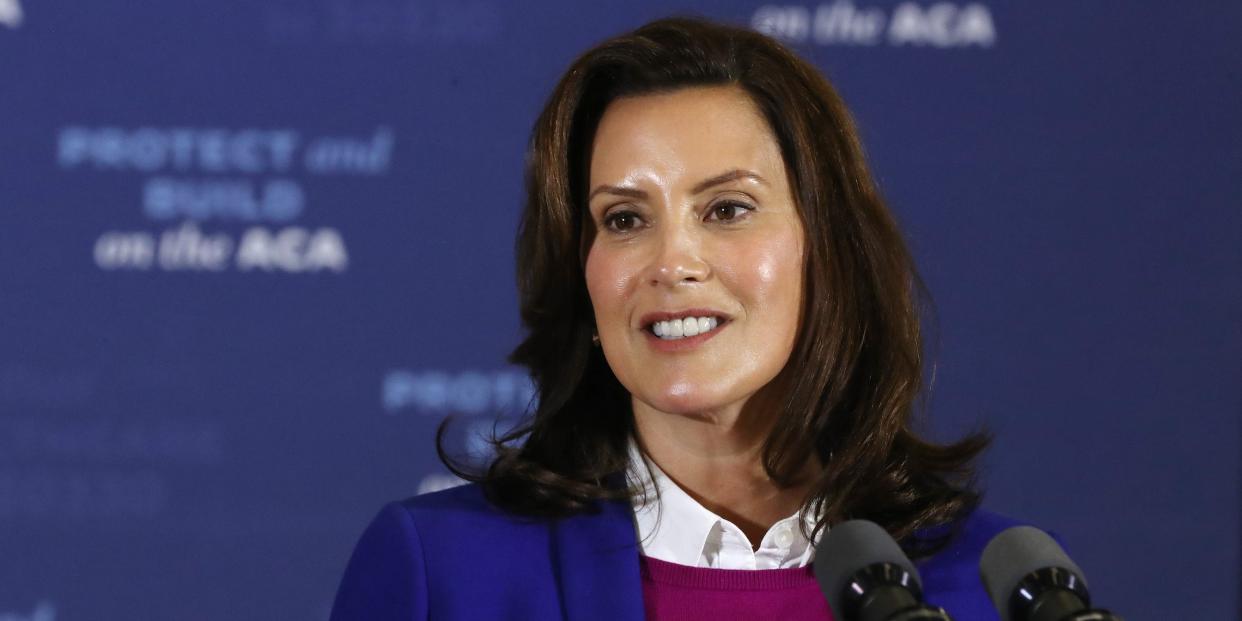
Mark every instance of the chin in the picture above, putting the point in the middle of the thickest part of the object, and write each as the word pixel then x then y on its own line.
pixel 688 399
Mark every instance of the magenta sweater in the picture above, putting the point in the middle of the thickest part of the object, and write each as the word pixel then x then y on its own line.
pixel 673 592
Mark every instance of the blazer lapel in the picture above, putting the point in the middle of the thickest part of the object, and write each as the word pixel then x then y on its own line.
pixel 596 558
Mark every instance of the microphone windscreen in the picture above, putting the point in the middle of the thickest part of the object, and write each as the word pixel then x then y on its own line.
pixel 849 547
pixel 1014 554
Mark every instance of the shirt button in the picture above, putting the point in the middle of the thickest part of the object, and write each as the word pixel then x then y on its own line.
pixel 784 537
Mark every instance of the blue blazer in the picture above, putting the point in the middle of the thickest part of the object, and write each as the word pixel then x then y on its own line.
pixel 452 555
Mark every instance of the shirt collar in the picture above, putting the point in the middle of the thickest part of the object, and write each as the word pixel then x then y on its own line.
pixel 672 526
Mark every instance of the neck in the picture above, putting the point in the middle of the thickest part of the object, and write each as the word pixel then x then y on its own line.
pixel 717 458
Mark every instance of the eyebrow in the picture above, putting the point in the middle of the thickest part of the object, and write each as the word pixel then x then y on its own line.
pixel 618 190
pixel 732 175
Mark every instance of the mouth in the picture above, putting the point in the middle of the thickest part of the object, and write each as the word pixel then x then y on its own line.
pixel 683 324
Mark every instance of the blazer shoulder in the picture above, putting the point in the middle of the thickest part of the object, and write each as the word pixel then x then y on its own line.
pixel 465 558
pixel 460 523
pixel 462 508
pixel 386 574
pixel 977 529
pixel 951 575
pixel 467 498
pixel 966 539
pixel 448 555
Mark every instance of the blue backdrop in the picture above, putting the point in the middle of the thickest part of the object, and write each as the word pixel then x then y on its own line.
pixel 253 252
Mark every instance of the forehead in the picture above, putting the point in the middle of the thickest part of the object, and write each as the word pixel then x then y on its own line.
pixel 690 132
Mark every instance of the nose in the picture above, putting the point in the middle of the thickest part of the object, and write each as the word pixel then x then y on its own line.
pixel 678 257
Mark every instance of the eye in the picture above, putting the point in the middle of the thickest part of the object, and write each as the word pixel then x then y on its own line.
pixel 621 221
pixel 728 211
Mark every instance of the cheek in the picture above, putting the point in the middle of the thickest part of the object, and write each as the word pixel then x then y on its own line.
pixel 768 275
pixel 607 281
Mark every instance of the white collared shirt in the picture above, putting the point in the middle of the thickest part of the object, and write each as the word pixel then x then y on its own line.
pixel 674 527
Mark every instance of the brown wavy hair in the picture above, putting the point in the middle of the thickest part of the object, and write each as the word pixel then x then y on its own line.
pixel 859 351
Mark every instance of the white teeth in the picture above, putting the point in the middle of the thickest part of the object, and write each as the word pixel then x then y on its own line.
pixel 681 328
pixel 676 326
pixel 689 326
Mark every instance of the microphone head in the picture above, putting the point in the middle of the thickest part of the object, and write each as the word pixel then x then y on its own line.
pixel 1012 556
pixel 849 547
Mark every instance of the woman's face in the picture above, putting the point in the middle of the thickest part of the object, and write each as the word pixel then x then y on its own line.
pixel 695 268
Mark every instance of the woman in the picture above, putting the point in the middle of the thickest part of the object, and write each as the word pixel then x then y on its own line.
pixel 724 335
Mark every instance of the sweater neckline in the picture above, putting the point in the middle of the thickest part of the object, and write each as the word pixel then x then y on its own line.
pixel 664 572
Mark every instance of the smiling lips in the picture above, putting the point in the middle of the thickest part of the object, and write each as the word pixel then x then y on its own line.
pixel 682 330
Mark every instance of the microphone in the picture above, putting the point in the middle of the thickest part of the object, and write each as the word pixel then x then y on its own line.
pixel 866 577
pixel 1030 578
